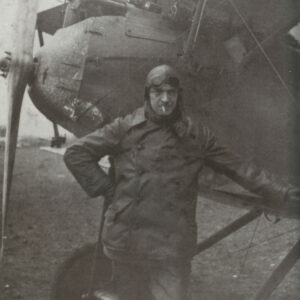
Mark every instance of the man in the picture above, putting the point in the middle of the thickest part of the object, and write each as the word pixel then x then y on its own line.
pixel 158 152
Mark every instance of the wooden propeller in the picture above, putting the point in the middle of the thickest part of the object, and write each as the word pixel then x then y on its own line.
pixel 20 70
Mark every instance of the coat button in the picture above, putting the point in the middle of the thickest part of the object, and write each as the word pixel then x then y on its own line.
pixel 171 206
pixel 139 171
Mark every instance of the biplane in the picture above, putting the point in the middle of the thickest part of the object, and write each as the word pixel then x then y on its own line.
pixel 240 64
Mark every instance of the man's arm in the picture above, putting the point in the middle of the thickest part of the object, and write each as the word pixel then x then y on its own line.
pixel 246 174
pixel 83 156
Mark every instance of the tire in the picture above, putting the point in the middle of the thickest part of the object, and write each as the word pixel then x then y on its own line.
pixel 73 278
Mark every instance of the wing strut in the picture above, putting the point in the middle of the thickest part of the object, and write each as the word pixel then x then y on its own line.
pixel 279 273
pixel 195 27
pixel 229 229
pixel 262 50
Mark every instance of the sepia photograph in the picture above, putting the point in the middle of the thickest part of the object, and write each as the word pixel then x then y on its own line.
pixel 150 149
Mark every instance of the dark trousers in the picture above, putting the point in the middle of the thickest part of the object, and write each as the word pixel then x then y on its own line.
pixel 152 281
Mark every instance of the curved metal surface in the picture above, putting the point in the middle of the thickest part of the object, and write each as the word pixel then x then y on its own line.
pixel 96 74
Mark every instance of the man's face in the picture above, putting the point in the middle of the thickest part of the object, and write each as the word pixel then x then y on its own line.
pixel 163 99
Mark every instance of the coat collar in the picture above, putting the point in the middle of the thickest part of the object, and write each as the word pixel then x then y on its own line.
pixel 137 117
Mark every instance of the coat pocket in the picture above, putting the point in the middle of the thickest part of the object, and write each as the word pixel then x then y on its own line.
pixel 115 232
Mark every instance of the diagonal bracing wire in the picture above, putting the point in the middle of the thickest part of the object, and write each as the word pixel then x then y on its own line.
pixel 255 245
pixel 262 49
pixel 250 243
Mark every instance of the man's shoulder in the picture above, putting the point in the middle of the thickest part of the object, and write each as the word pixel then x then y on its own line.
pixel 133 119
pixel 197 124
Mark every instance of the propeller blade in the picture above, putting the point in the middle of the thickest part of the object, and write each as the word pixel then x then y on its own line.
pixel 20 70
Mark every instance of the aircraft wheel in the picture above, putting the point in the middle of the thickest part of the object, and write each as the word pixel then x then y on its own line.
pixel 73 278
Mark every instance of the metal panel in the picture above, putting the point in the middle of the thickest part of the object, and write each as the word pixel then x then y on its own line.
pixel 154 28
pixel 51 20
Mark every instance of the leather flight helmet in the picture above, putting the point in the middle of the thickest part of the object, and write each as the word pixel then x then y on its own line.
pixel 162 74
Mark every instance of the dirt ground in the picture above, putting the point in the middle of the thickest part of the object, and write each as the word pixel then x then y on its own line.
pixel 50 216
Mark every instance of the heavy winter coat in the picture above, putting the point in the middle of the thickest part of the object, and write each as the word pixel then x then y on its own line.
pixel 152 213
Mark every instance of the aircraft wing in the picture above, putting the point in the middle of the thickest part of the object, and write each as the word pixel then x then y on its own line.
pixel 234 195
